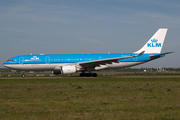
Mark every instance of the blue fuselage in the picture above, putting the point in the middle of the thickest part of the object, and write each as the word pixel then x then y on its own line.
pixel 54 62
pixel 73 58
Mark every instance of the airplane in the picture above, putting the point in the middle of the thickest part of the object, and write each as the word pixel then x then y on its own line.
pixel 87 63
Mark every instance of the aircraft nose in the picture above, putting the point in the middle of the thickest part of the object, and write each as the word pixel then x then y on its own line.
pixel 5 64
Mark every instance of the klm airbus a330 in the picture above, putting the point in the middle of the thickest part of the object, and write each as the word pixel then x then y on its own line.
pixel 86 63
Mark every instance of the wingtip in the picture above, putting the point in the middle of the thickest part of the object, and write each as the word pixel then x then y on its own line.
pixel 140 54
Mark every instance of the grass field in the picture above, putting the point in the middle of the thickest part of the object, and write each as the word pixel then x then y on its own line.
pixel 103 73
pixel 90 98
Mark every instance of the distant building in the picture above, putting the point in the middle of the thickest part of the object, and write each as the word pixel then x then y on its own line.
pixel 160 69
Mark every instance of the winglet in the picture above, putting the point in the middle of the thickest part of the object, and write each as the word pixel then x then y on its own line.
pixel 140 54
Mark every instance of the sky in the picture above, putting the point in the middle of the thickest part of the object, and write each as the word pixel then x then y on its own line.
pixel 88 26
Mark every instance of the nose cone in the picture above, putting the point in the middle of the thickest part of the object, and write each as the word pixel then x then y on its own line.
pixel 5 64
pixel 8 65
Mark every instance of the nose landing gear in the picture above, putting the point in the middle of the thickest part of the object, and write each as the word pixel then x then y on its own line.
pixel 23 75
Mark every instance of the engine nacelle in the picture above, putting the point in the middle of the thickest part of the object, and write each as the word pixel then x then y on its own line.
pixel 69 69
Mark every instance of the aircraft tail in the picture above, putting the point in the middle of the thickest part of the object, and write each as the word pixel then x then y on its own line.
pixel 155 44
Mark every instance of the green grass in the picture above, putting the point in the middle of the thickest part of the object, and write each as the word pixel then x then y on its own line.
pixel 90 98
pixel 100 73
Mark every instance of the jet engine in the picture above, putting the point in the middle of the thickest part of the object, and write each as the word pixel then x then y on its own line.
pixel 68 69
pixel 65 70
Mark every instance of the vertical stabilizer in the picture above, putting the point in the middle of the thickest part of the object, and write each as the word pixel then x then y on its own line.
pixel 155 44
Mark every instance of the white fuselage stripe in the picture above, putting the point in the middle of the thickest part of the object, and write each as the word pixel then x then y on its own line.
pixel 50 67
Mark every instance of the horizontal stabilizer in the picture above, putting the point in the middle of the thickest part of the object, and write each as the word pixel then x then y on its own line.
pixel 156 56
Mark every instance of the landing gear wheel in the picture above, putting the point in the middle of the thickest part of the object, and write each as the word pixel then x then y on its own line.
pixel 88 74
pixel 94 74
pixel 82 75
pixel 23 75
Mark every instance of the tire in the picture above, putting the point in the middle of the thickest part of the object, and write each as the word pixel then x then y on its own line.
pixel 88 74
pixel 82 75
pixel 23 75
pixel 94 75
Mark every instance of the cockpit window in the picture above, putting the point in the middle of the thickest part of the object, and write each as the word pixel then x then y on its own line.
pixel 10 60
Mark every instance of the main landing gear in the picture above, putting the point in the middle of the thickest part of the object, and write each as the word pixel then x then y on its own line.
pixel 88 75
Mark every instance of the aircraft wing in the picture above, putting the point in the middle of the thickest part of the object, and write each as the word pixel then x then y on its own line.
pixel 106 61
pixel 156 56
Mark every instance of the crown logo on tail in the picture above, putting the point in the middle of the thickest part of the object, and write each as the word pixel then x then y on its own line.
pixel 154 40
pixel 154 43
